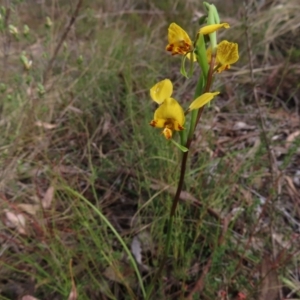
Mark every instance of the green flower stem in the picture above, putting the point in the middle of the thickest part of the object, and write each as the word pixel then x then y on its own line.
pixel 196 115
pixel 183 135
pixel 202 60
pixel 208 84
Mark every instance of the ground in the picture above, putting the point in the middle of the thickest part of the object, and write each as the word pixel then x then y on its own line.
pixel 87 184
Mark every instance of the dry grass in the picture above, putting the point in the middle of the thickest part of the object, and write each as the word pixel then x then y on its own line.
pixel 86 183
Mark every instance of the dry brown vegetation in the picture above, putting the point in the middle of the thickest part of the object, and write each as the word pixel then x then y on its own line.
pixel 86 184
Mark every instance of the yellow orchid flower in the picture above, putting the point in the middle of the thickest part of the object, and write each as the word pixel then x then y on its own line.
pixel 202 100
pixel 227 54
pixel 212 28
pixel 161 91
pixel 179 40
pixel 169 115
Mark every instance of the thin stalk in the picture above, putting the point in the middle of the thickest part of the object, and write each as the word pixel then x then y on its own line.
pixel 202 61
pixel 198 92
pixel 194 113
pixel 208 84
pixel 62 39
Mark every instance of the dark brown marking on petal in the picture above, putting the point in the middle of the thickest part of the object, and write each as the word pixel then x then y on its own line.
pixel 153 123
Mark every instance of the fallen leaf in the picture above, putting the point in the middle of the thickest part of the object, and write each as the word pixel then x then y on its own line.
pixel 291 185
pixel 291 138
pixel 73 294
pixel 15 221
pixel 242 125
pixel 106 124
pixel 251 153
pixel 142 241
pixel 281 240
pixel 136 249
pixel 45 125
pixel 29 208
pixel 296 178
pixel 48 197
pixel 74 109
pixel 241 296
pixel 28 297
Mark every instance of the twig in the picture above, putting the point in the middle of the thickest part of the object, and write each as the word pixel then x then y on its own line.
pixel 59 44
